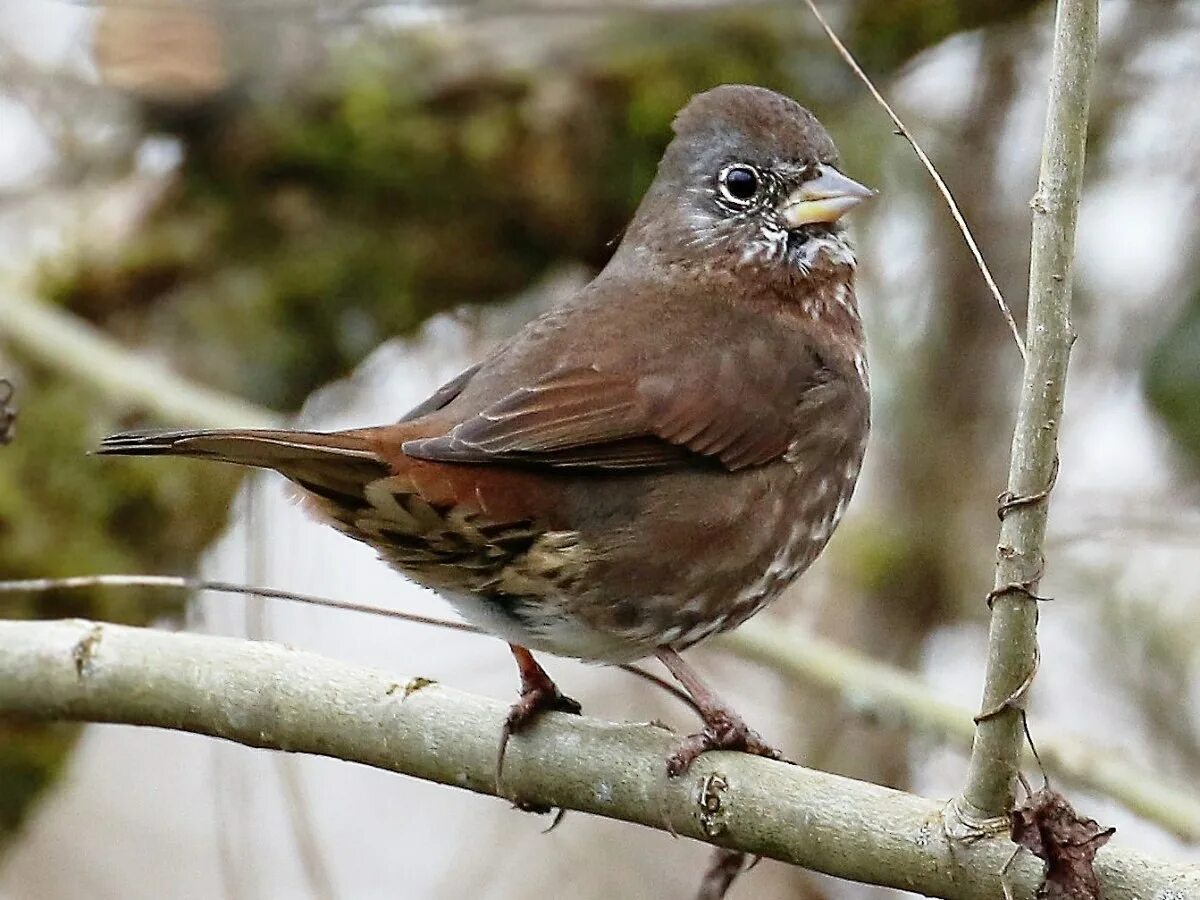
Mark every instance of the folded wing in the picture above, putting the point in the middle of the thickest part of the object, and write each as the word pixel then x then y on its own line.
pixel 588 419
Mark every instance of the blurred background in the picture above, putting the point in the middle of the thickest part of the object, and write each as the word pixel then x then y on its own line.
pixel 328 207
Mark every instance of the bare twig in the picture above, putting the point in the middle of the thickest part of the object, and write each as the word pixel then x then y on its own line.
pixel 1012 638
pixel 181 582
pixel 944 189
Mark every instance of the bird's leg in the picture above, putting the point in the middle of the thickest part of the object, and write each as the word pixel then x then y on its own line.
pixel 724 729
pixel 539 693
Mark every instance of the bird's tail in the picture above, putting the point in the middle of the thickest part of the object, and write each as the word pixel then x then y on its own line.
pixel 262 448
pixel 335 467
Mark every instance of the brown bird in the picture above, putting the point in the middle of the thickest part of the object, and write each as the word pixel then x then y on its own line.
pixel 654 461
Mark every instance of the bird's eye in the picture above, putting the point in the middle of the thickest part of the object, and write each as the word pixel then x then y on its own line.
pixel 739 184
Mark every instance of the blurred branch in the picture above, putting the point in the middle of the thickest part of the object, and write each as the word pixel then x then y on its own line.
pixel 1012 639
pixel 265 695
pixel 887 693
pixel 67 344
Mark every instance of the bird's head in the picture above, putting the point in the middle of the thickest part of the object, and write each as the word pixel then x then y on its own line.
pixel 751 179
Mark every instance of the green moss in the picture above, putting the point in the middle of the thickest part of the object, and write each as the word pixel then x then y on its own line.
pixel 64 513
pixel 889 32
pixel 876 553
pixel 30 757
pixel 300 235
pixel 1173 380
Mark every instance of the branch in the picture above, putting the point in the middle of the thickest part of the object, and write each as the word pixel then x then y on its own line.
pixel 187 583
pixel 70 345
pixel 869 686
pixel 266 695
pixel 1012 638
pixel 891 694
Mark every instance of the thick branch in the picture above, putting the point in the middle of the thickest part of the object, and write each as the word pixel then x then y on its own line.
pixel 1012 640
pixel 872 688
pixel 266 695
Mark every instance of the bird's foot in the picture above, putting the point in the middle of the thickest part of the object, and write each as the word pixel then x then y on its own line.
pixel 723 730
pixel 534 701
pixel 539 694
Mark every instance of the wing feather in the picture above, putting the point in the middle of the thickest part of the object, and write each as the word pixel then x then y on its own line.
pixel 585 418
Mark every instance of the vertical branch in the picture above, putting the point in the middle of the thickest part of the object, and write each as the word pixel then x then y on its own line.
pixel 1012 637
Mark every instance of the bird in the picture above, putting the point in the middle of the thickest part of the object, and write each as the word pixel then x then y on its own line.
pixel 651 462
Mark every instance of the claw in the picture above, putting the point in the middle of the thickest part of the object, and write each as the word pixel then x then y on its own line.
pixel 539 694
pixel 534 701
pixel 724 729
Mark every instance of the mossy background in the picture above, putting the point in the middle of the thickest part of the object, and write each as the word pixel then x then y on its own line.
pixel 1173 381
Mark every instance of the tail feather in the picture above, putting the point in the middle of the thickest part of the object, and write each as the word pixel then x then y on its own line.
pixel 272 449
pixel 333 468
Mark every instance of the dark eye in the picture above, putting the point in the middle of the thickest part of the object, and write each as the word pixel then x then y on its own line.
pixel 739 184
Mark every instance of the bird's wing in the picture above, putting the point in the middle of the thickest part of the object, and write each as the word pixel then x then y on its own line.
pixel 442 396
pixel 730 415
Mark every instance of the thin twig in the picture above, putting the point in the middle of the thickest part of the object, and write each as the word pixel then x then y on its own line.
pixel 943 188
pixel 180 582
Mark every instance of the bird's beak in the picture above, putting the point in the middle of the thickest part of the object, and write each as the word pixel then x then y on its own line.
pixel 825 198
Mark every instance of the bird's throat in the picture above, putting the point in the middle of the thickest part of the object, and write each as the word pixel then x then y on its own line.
pixel 810 250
